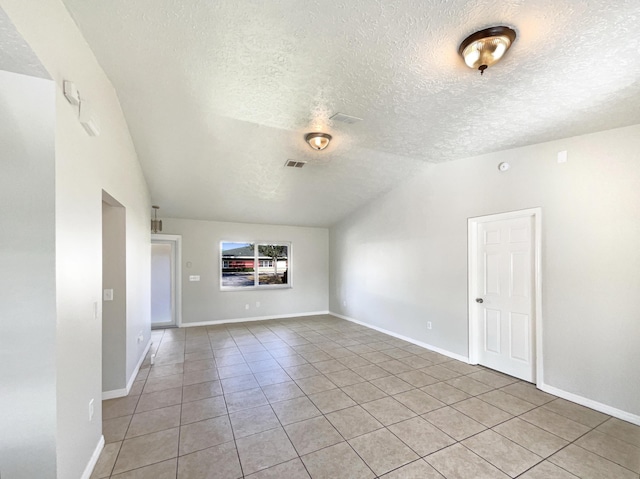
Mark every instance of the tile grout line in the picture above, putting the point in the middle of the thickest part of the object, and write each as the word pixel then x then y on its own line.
pixel 127 429
pixel 322 414
pixel 386 427
pixel 299 457
pixel 294 334
pixel 181 402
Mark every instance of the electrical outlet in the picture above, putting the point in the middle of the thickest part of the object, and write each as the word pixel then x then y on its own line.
pixel 246 306
pixel 91 410
pixel 108 295
pixel 257 304
pixel 344 304
pixel 140 337
pixel 429 325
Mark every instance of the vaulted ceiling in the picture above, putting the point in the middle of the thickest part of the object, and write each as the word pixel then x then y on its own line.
pixel 16 55
pixel 219 94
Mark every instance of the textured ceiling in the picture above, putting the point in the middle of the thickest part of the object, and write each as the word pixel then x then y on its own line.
pixel 15 54
pixel 219 94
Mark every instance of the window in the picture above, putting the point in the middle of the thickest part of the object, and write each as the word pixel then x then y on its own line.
pixel 239 261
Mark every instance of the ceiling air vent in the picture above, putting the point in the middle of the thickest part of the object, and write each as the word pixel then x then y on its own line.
pixel 295 164
pixel 345 118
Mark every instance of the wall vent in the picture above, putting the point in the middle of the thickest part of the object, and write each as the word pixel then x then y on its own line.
pixel 341 117
pixel 295 164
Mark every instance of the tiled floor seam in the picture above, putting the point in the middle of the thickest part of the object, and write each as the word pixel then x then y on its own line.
pixel 235 441
pixel 574 443
pixel 546 459
pixel 557 451
pixel 603 457
pixel 324 416
pixel 125 433
pixel 308 341
pixel 420 456
pixel 359 435
pixel 271 407
pixel 295 422
pixel 180 418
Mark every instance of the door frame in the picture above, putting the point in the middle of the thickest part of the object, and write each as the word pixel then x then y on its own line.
pixel 177 273
pixel 474 330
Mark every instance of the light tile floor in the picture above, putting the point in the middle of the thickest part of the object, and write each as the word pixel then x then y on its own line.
pixel 324 398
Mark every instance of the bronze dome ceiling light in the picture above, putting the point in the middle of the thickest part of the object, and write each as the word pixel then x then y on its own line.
pixel 318 141
pixel 484 48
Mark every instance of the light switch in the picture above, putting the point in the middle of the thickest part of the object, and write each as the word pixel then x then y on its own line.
pixel 108 295
pixel 195 277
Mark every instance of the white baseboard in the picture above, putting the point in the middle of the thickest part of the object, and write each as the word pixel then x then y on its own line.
pixel 118 393
pixel 114 393
pixel 254 318
pixel 94 459
pixel 137 368
pixel 406 338
pixel 590 403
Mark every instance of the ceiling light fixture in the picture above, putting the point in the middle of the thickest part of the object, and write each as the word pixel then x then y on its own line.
pixel 156 224
pixel 486 47
pixel 318 141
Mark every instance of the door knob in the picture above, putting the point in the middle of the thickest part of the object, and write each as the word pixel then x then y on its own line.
pixel 479 300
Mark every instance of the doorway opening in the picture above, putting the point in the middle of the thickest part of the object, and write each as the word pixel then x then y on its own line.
pixel 114 299
pixel 166 280
pixel 504 295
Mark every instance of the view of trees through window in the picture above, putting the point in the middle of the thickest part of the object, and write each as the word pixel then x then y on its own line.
pixel 239 263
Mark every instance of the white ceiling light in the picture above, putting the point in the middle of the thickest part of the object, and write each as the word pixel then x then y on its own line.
pixel 486 47
pixel 318 141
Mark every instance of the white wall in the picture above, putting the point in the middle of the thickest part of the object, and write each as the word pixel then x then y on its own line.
pixel 402 260
pixel 84 167
pixel 27 278
pixel 203 301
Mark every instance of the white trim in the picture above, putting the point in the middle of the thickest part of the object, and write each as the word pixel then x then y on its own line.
pixel 118 393
pixel 177 239
pixel 114 393
pixel 472 224
pixel 136 370
pixel 255 318
pixel 435 349
pixel 590 403
pixel 94 459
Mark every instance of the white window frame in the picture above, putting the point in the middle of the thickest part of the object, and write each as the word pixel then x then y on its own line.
pixel 257 266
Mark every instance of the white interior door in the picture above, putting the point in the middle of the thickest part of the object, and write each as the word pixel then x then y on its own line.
pixel 163 284
pixel 503 295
